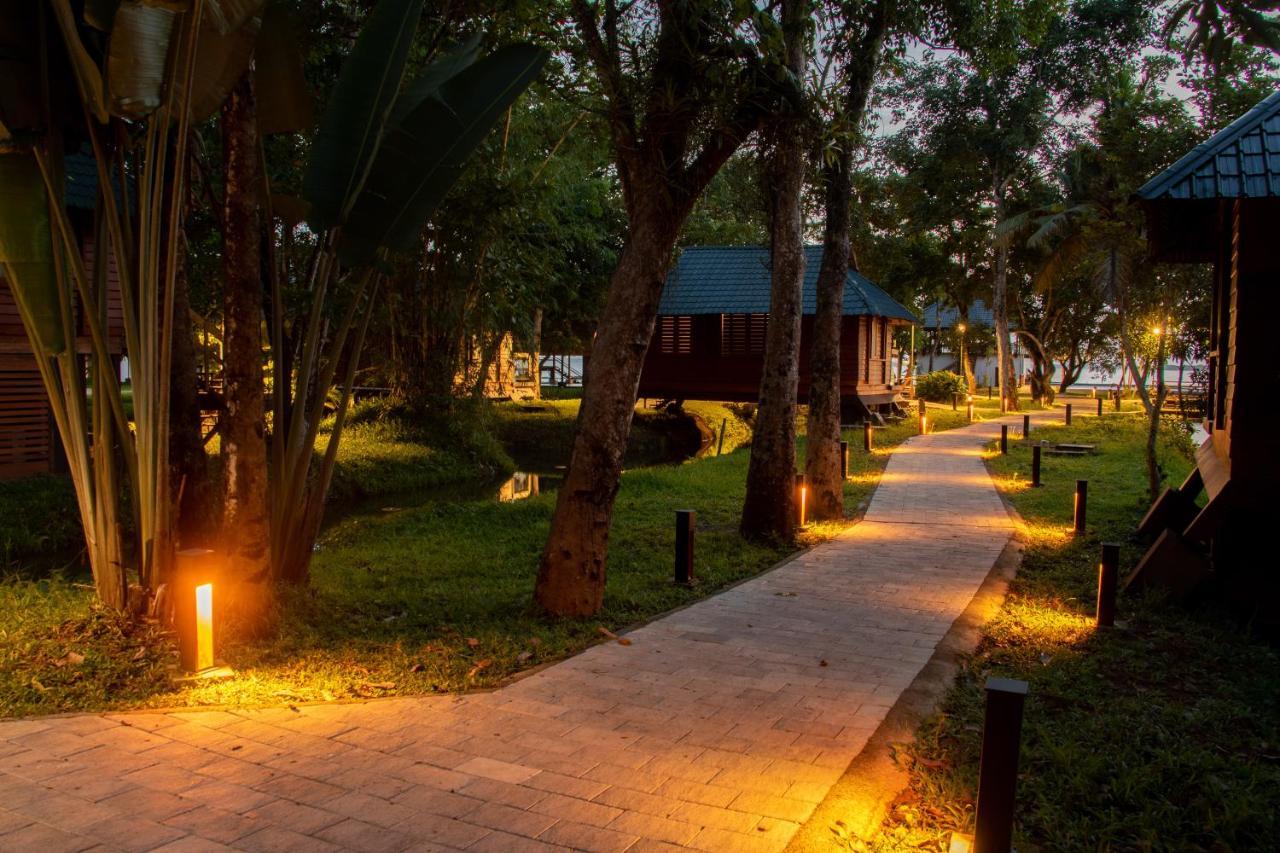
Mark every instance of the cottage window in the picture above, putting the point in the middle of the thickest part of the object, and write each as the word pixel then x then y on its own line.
pixel 675 334
pixel 520 363
pixel 743 334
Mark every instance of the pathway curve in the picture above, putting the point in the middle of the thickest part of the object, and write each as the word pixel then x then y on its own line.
pixel 719 727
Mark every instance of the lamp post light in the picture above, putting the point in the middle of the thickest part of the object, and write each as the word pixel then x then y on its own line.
pixel 802 495
pixel 866 436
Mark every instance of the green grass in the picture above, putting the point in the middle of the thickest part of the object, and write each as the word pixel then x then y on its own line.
pixel 38 519
pixel 1161 734
pixel 429 598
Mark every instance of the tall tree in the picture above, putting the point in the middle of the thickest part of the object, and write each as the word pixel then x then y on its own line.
pixel 245 528
pixel 682 88
pixel 769 509
pixel 858 39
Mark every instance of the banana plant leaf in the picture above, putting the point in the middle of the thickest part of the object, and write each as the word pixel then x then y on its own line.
pixel 431 78
pixel 26 248
pixel 137 58
pixel 227 16
pixel 422 157
pixel 221 60
pixel 88 75
pixel 286 103
pixel 356 116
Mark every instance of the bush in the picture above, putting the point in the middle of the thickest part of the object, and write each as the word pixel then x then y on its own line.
pixel 939 386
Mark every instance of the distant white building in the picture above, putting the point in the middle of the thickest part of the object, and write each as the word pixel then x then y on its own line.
pixel 934 351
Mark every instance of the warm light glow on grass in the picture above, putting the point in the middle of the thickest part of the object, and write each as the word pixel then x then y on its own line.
pixel 204 626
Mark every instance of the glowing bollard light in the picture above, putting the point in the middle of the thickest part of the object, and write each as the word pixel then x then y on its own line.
pixel 802 497
pixel 686 521
pixel 1081 504
pixel 1035 465
pixel 844 460
pixel 1067 417
pixel 866 436
pixel 1004 439
pixel 991 392
pixel 194 613
pixel 998 765
pixel 924 423
pixel 1099 407
pixel 969 411
pixel 955 402
pixel 1108 573
pixel 1026 426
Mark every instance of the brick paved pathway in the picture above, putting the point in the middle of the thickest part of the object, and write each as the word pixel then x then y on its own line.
pixel 719 727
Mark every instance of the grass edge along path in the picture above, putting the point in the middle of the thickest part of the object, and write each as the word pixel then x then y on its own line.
pixel 1159 734
pixel 433 598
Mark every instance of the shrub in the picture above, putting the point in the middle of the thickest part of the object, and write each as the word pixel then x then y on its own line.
pixel 939 386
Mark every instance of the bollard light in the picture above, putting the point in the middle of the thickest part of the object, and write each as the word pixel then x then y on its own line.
pixel 1026 426
pixel 844 460
pixel 1099 407
pixel 1035 465
pixel 998 765
pixel 924 423
pixel 1081 505
pixel 866 436
pixel 1117 399
pixel 194 613
pixel 991 391
pixel 802 496
pixel 1067 417
pixel 955 402
pixel 686 521
pixel 1108 573
pixel 1004 439
pixel 969 412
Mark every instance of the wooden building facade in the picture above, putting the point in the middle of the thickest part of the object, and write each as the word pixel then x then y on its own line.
pixel 708 343
pixel 1220 204
pixel 28 437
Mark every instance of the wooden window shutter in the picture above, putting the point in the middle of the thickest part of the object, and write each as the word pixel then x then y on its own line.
pixel 675 334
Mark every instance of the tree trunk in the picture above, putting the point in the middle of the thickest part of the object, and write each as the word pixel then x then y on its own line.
pixel 1153 426
pixel 822 462
pixel 571 573
pixel 1000 319
pixel 245 522
pixel 769 508
pixel 188 465
pixel 822 451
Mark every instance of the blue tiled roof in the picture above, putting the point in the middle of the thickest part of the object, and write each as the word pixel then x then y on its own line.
pixel 1240 161
pixel 735 280
pixel 979 315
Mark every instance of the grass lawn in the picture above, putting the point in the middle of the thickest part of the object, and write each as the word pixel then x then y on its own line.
pixel 432 597
pixel 1160 734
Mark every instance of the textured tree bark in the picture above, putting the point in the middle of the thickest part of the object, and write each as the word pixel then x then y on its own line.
pixel 571 574
pixel 245 522
pixel 188 465
pixel 822 450
pixel 1000 309
pixel 769 509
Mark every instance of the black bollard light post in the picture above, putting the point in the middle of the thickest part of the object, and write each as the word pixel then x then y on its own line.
pixel 998 765
pixel 1004 439
pixel 844 460
pixel 1108 573
pixel 1067 416
pixel 866 436
pixel 1026 426
pixel 686 523
pixel 1035 465
pixel 1081 505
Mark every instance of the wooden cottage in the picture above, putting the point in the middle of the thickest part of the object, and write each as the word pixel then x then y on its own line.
pixel 708 343
pixel 1220 204
pixel 28 437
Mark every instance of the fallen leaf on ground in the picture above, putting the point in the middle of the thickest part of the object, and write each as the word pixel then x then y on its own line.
pixel 484 664
pixel 606 632
pixel 822 663
pixel 472 642
pixel 417 667
pixel 380 685
pixel 140 653
pixel 623 641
